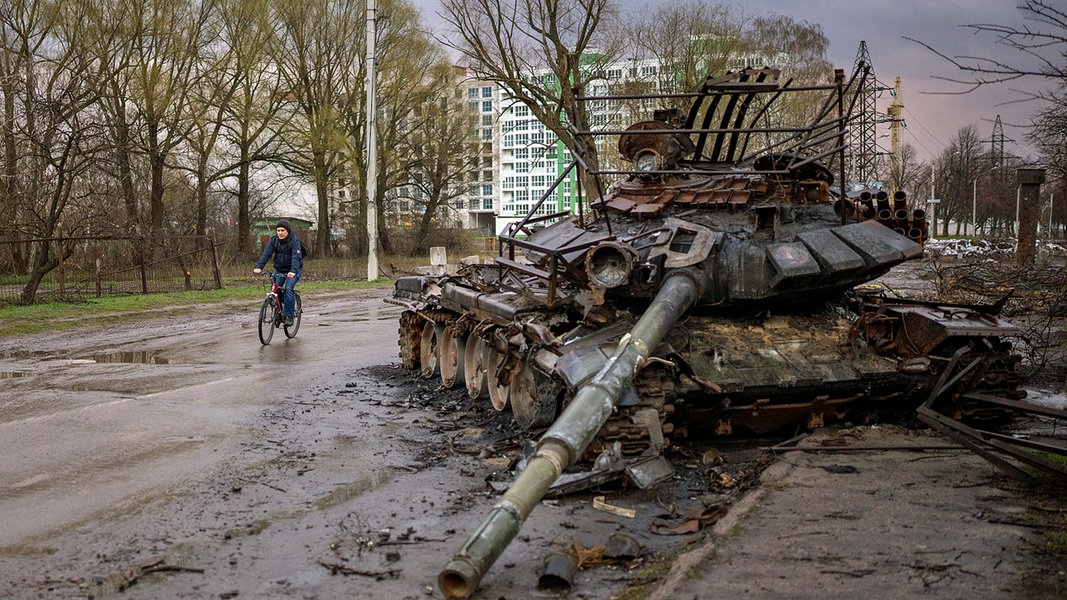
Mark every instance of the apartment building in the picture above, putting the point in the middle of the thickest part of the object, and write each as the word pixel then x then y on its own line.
pixel 520 158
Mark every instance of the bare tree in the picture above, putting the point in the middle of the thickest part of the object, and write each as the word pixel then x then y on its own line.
pixel 237 112
pixel 904 173
pixel 112 59
pixel 689 40
pixel 167 41
pixel 442 163
pixel 539 52
pixel 1037 51
pixel 317 53
pixel 956 166
pixel 147 60
pixel 54 131
pixel 408 63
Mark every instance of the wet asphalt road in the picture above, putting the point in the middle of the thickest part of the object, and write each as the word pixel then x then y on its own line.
pixel 91 418
pixel 175 457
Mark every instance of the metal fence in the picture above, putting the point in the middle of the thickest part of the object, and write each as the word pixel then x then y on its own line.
pixel 107 266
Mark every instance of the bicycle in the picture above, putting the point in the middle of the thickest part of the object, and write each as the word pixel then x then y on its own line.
pixel 271 315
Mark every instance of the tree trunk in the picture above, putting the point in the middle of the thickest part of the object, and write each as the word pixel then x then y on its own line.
pixel 322 239
pixel 43 263
pixel 201 195
pixel 244 221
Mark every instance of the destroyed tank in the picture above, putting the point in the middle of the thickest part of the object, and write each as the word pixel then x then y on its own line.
pixel 717 286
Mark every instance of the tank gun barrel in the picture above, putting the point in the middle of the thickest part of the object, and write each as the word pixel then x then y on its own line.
pixel 570 434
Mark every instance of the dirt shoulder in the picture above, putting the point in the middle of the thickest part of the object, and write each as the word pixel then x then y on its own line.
pixel 833 521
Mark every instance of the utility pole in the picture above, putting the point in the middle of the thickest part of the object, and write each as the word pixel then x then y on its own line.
pixel 372 145
pixel 932 203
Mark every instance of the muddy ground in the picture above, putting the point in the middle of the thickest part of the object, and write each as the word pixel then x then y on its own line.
pixel 176 458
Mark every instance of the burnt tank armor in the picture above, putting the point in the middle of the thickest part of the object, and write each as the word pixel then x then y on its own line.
pixel 717 285
pixel 777 336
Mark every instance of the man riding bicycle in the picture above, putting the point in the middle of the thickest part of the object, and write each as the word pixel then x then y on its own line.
pixel 288 259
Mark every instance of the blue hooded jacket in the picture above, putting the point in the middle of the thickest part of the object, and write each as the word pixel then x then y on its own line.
pixel 288 257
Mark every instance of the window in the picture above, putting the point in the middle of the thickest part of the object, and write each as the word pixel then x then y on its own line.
pixel 520 110
pixel 487 92
pixel 472 93
pixel 487 106
pixel 487 120
pixel 487 133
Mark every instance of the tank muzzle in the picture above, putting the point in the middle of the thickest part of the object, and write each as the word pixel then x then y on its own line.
pixel 610 264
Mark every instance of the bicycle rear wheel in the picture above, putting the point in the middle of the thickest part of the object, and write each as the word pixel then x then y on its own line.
pixel 266 320
pixel 290 330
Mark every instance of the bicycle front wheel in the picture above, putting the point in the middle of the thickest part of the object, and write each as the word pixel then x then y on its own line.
pixel 290 330
pixel 266 320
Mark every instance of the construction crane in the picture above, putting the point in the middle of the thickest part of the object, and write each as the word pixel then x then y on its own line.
pixel 895 115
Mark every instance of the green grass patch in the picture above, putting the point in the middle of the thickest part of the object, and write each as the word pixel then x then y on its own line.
pixel 53 316
pixel 1056 542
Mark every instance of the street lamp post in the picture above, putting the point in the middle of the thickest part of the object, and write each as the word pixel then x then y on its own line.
pixel 932 203
pixel 1018 197
pixel 974 207
pixel 372 145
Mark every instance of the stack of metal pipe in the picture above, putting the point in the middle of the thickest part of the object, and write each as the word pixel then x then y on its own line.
pixel 893 213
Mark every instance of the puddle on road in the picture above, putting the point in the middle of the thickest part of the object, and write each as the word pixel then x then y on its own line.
pixel 142 357
pixel 386 313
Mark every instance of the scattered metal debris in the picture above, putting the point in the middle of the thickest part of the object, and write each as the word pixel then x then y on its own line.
pixel 557 573
pixel 622 547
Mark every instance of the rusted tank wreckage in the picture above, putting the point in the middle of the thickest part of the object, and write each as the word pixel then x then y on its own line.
pixel 715 286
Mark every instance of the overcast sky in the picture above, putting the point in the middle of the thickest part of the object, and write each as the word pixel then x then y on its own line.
pixel 932 119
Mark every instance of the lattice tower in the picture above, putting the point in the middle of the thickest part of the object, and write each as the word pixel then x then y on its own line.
pixel 863 142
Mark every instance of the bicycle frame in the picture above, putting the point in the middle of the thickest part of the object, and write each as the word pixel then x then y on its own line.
pixel 277 291
pixel 271 318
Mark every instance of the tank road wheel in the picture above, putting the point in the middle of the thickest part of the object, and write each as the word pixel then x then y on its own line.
pixel 533 400
pixel 474 360
pixel 429 349
pixel 452 347
pixel 410 335
pixel 498 392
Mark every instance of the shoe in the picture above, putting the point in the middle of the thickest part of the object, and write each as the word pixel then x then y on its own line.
pixel 288 321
